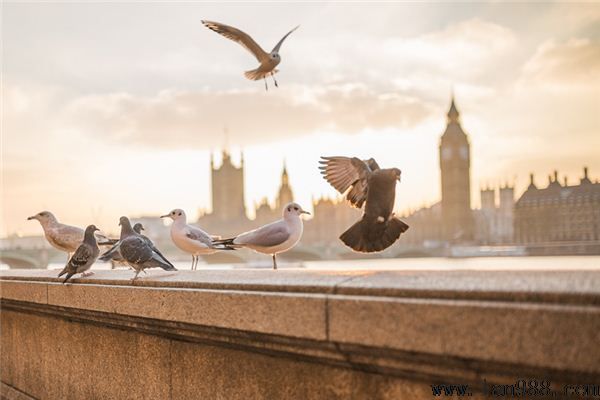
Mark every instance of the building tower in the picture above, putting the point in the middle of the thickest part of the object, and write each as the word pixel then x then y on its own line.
pixel 457 218
pixel 506 214
pixel 228 189
pixel 285 194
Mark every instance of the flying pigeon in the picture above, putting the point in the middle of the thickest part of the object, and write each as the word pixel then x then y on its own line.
pixel 268 61
pixel 137 252
pixel 191 239
pixel 64 237
pixel 367 184
pixel 84 257
pixel 274 238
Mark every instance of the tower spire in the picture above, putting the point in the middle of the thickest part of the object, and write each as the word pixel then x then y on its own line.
pixel 453 113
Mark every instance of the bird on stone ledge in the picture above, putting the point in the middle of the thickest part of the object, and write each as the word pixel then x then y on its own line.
pixel 374 187
pixel 84 257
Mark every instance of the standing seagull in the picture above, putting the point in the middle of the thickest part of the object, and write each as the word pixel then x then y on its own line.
pixel 63 237
pixel 191 239
pixel 85 255
pixel 378 228
pixel 268 61
pixel 137 252
pixel 274 238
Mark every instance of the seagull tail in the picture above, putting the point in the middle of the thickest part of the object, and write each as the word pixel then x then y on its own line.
pixel 258 74
pixel 367 236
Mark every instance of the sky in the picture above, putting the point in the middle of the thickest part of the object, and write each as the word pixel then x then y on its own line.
pixel 113 109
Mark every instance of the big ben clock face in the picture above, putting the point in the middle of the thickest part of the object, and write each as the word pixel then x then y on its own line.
pixel 446 153
pixel 464 152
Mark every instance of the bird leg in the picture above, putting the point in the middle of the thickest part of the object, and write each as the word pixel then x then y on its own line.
pixel 274 80
pixel 274 262
pixel 136 275
pixel 266 87
pixel 87 273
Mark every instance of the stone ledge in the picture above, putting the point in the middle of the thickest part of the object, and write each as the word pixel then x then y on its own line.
pixel 405 323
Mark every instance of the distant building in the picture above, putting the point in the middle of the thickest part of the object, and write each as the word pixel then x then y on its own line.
pixel 330 219
pixel 425 227
pixel 494 223
pixel 558 213
pixel 228 189
pixel 457 219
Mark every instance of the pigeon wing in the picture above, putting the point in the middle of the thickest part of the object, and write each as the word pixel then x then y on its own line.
pixel 135 250
pixel 278 45
pixel 160 255
pixel 240 37
pixel 80 259
pixel 345 172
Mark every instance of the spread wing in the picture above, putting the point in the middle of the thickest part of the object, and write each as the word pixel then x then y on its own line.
pixel 266 236
pixel 278 45
pixel 240 37
pixel 344 173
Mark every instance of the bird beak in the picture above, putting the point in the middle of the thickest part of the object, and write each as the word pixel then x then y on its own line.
pixel 164 216
pixel 304 212
pixel 30 218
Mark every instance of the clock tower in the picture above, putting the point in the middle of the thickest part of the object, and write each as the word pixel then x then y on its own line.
pixel 457 219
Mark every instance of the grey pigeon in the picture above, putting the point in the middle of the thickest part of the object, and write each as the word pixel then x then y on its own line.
pixel 113 253
pixel 84 257
pixel 367 184
pixel 137 252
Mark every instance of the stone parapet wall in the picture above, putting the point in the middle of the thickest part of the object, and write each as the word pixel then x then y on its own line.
pixel 246 334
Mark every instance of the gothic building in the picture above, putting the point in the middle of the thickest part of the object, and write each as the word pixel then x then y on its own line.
pixel 227 189
pixel 494 221
pixel 558 212
pixel 457 219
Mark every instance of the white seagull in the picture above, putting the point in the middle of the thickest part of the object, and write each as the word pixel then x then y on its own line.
pixel 274 238
pixel 268 61
pixel 64 237
pixel 191 239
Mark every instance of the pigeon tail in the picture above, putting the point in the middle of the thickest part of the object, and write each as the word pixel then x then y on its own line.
pixel 258 74
pixel 109 254
pixel 64 271
pixel 367 236
pixel 157 262
pixel 67 278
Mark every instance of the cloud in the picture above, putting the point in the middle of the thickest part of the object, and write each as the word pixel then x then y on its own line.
pixel 575 62
pixel 180 119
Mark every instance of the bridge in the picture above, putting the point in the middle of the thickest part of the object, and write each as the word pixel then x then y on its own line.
pixel 20 258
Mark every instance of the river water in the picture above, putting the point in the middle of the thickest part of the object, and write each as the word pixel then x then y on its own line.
pixel 407 264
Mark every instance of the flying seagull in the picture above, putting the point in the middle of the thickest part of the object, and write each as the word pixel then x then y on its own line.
pixel 64 237
pixel 191 239
pixel 137 252
pixel 366 183
pixel 115 255
pixel 85 255
pixel 268 61
pixel 274 238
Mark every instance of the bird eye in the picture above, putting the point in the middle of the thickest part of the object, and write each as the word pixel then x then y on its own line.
pixel 289 209
pixel 179 214
pixel 296 208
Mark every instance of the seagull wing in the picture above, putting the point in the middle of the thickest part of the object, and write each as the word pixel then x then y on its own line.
pixel 269 235
pixel 198 235
pixel 344 173
pixel 66 236
pixel 240 37
pixel 278 45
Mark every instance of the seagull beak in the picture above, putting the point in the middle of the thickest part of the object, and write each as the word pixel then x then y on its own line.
pixel 164 216
pixel 30 218
pixel 304 212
